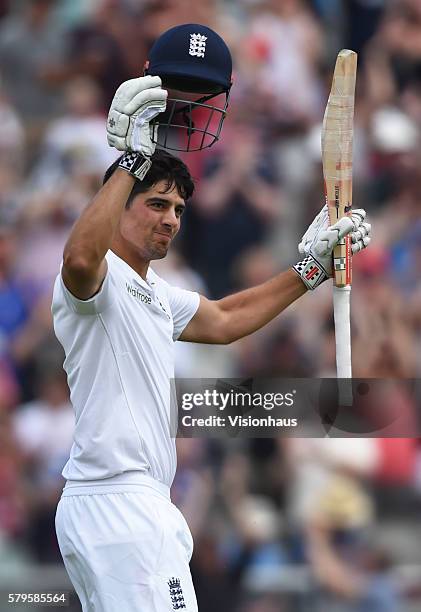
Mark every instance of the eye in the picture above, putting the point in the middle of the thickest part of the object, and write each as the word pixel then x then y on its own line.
pixel 179 211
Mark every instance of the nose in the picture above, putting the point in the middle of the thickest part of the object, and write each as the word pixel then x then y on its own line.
pixel 170 219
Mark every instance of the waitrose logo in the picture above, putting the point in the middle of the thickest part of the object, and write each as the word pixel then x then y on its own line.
pixel 136 293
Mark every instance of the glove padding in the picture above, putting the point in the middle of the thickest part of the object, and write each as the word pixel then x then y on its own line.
pixel 135 104
pixel 320 239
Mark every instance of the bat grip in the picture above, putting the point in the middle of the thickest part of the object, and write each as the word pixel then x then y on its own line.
pixel 341 309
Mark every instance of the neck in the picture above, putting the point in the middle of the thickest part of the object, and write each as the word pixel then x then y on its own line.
pixel 131 257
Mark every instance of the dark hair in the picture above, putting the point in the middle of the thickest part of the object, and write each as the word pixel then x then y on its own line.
pixel 165 167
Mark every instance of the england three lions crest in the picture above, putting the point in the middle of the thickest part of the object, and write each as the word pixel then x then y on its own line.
pixel 176 594
pixel 197 45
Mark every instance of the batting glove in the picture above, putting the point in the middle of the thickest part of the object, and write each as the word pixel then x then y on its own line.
pixel 320 239
pixel 135 104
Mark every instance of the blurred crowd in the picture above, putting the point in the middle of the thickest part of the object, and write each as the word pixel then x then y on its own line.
pixel 279 525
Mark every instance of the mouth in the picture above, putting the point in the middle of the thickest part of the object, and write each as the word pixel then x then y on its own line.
pixel 164 235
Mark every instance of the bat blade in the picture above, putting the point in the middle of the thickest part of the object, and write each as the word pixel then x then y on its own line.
pixel 337 140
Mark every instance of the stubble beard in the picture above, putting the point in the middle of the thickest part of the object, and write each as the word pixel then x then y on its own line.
pixel 154 251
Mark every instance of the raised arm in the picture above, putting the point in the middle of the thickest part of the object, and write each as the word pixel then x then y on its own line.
pixel 84 266
pixel 238 315
pixel 135 103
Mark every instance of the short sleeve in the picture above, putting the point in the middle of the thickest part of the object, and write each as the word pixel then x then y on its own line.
pixel 183 305
pixel 94 305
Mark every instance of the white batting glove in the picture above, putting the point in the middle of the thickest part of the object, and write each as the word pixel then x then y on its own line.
pixel 320 239
pixel 135 104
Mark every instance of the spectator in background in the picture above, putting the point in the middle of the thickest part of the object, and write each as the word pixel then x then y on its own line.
pixel 12 137
pixel 9 387
pixel 326 482
pixel 406 260
pixel 12 491
pixel 394 161
pixel 400 37
pixel 237 200
pixel 279 61
pixel 44 431
pixel 157 16
pixel 360 584
pixel 194 483
pixel 30 40
pixel 255 540
pixel 35 340
pixel 72 12
pixel 4 7
pixel 12 157
pixel 379 310
pixel 285 41
pixel 45 223
pixel 15 297
pixel 73 158
pixel 74 143
pixel 97 48
pixel 361 21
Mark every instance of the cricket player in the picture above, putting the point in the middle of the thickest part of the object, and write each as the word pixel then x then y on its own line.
pixel 125 546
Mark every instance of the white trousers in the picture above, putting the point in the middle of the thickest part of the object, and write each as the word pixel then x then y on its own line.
pixel 126 551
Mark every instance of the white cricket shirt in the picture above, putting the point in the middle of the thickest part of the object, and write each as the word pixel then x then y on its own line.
pixel 119 348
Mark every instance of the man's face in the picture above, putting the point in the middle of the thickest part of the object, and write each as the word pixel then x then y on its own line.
pixel 152 221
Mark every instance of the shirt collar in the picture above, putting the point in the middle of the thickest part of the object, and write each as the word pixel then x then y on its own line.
pixel 147 284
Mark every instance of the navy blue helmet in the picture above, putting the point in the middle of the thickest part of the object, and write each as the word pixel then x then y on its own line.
pixel 195 66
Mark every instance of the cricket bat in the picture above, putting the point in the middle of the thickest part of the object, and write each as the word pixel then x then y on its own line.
pixel 337 137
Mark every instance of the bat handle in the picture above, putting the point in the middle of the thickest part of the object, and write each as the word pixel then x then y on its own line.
pixel 341 309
